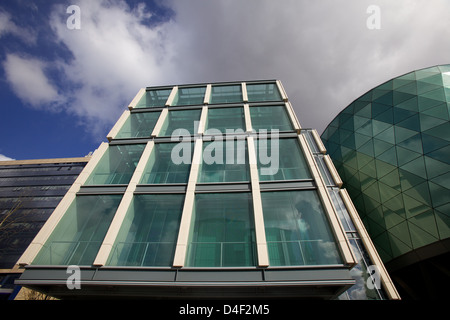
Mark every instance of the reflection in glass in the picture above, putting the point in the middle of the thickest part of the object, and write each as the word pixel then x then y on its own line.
pixel 154 98
pixel 263 92
pixel 138 125
pixel 297 230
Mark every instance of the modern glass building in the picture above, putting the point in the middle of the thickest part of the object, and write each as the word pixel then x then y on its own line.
pixel 208 191
pixel 391 147
pixel 29 192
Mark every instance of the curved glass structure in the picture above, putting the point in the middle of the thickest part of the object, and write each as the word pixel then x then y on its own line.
pixel 391 147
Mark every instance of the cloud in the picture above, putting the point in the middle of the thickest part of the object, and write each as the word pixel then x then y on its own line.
pixel 29 81
pixel 5 158
pixel 8 27
pixel 322 51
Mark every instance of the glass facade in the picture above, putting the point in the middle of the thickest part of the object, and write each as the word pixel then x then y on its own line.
pixel 138 125
pixel 270 118
pixel 391 147
pixel 149 232
pixel 196 211
pixel 180 123
pixel 189 96
pixel 78 236
pixel 224 161
pixel 297 230
pixel 223 119
pixel 281 159
pixel 222 233
pixel 154 98
pixel 226 94
pixel 161 167
pixel 117 165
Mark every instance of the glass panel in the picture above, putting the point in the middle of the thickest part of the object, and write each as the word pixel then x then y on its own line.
pixel 138 125
pixel 169 163
pixel 117 165
pixel 226 120
pixel 149 232
pixel 224 161
pixel 297 230
pixel 189 96
pixel 181 122
pixel 272 117
pixel 154 98
pixel 78 236
pixel 222 234
pixel 281 159
pixel 226 94
pixel 263 92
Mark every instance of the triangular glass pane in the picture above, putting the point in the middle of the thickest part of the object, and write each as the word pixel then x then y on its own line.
pixel 441 131
pixel 386 98
pixel 387 135
pixel 378 108
pixel 402 134
pixel 443 180
pixel 416 166
pixel 396 205
pixel 427 72
pixel 435 94
pixel 392 179
pixel 383 168
pixel 414 144
pixel 405 155
pixel 411 123
pixel 400 239
pixel 386 192
pixel 443 225
pixel 420 193
pixel 440 111
pixel 427 122
pixel 419 237
pixel 380 146
pixel 435 79
pixel 377 93
pixel 367 148
pixel 410 88
pixel 386 116
pixel 435 167
pixel 410 104
pixel 399 97
pixel 392 219
pixel 439 195
pixel 409 180
pixel 379 126
pixel 431 143
pixel 400 82
pixel 441 154
pixel 383 245
pixel 412 206
pixel 389 156
pixel 425 103
pixel 402 114
pixel 427 222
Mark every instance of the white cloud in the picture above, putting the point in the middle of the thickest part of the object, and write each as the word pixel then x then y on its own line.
pixel 321 50
pixel 7 26
pixel 29 81
pixel 5 158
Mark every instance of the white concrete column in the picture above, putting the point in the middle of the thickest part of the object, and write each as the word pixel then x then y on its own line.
pixel 186 216
pixel 207 97
pixel 294 121
pixel 244 92
pixel 172 96
pixel 318 141
pixel 160 123
pixel 115 130
pixel 248 119
pixel 260 232
pixel 136 99
pixel 282 91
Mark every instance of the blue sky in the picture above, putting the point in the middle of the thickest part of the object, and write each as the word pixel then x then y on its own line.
pixel 61 90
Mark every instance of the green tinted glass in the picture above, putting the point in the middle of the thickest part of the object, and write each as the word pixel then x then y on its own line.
pixel 117 165
pixel 222 233
pixel 189 96
pixel 149 232
pixel 138 125
pixel 180 122
pixel 263 92
pixel 154 98
pixel 271 117
pixel 226 120
pixel 79 234
pixel 297 230
pixel 226 94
